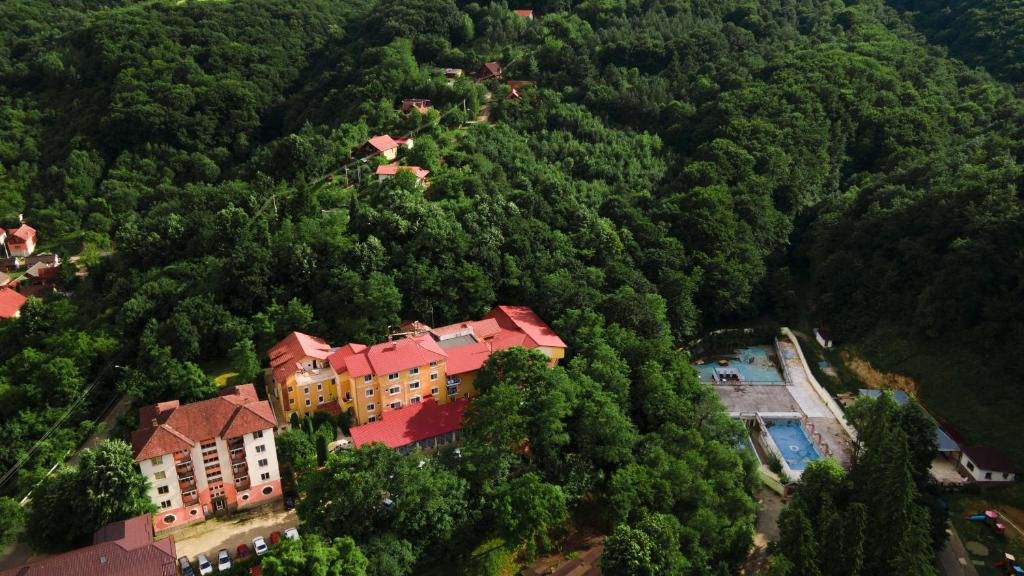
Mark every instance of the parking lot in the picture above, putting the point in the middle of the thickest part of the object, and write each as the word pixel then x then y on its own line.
pixel 229 532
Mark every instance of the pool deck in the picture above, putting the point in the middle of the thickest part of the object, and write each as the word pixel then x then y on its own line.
pixel 800 395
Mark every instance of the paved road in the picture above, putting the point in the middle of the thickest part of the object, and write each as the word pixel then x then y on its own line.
pixel 111 418
pixel 953 558
pixel 229 532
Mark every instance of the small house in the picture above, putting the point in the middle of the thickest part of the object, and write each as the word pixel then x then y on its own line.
pixel 406 143
pixel 418 104
pixel 488 71
pixel 42 274
pixel 10 303
pixel 528 14
pixel 824 338
pixel 985 464
pixel 10 264
pixel 384 145
pixel 21 241
pixel 389 170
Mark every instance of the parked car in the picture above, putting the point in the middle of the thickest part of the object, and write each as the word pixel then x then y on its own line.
pixel 275 537
pixel 259 545
pixel 255 570
pixel 292 533
pixel 243 552
pixel 204 564
pixel 223 560
pixel 186 566
pixel 289 501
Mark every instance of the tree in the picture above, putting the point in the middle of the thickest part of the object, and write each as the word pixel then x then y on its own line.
pixel 527 509
pixel 796 540
pixel 628 552
pixel 12 520
pixel 244 360
pixel 312 555
pixel 295 448
pixel 389 556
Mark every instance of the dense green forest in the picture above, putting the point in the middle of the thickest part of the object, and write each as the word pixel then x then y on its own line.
pixel 681 165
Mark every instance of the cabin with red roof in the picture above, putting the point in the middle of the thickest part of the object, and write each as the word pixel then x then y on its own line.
pixel 390 170
pixel 10 303
pixel 21 241
pixel 528 14
pixel 489 70
pixel 124 548
pixel 418 104
pixel 208 457
pixel 382 145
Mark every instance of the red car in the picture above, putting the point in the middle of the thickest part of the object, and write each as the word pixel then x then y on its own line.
pixel 243 551
pixel 255 571
pixel 275 537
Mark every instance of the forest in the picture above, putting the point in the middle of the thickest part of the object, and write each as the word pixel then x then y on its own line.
pixel 680 165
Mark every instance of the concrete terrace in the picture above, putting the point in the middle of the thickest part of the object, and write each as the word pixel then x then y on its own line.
pixel 801 395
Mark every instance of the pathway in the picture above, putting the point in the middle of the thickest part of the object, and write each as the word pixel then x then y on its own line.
pixel 119 409
pixel 953 558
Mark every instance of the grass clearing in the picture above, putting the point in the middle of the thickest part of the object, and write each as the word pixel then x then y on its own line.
pixel 221 372
pixel 964 504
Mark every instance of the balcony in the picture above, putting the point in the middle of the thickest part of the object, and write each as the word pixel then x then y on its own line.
pixel 237 456
pixel 235 443
pixel 184 468
pixel 187 485
pixel 183 456
pixel 240 469
pixel 189 500
pixel 242 484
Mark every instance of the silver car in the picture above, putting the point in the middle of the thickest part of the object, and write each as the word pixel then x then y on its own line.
pixel 223 560
pixel 204 564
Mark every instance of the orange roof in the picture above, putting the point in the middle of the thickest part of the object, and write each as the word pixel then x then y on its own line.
pixel 23 232
pixel 412 423
pixel 236 412
pixel 526 13
pixel 10 303
pixel 525 320
pixel 392 169
pixel 383 143
pixel 286 355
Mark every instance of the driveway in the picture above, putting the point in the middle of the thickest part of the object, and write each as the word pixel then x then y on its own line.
pixel 216 533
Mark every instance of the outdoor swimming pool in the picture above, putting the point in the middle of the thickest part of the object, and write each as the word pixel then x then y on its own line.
pixel 792 441
pixel 753 363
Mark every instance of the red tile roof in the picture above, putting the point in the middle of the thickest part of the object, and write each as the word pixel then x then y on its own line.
pixel 23 233
pixel 383 143
pixel 403 354
pixel 525 13
pixel 119 549
pixel 236 412
pixel 10 303
pixel 989 459
pixel 392 169
pixel 286 355
pixel 525 320
pixel 412 423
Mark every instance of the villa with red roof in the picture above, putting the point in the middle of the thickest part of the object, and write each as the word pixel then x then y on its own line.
pixel 10 303
pixel 414 378
pixel 390 170
pixel 124 548
pixel 303 379
pixel 528 14
pixel 21 241
pixel 384 145
pixel 207 457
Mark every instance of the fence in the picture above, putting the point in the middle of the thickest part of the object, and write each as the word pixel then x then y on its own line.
pixel 834 408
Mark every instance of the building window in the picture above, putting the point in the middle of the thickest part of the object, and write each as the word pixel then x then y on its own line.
pixel 334 381
pixel 393 376
pixel 265 476
pixel 263 463
pixel 453 389
pixel 1006 475
pixel 970 465
pixel 320 399
pixel 309 402
pixel 267 489
pixel 988 475
pixel 454 380
pixel 169 519
pixel 166 504
pixel 434 363
pixel 368 378
pixel 292 402
pixel 371 419
pixel 414 371
pixel 433 375
pixel 305 390
pixel 257 434
pixel 369 392
pixel 394 390
pixel 261 448
pixel 396 404
pixel 414 400
pixel 159 475
pixel 163 489
pixel 435 391
pixel 414 385
pixel 291 389
pixel 156 460
pixel 371 407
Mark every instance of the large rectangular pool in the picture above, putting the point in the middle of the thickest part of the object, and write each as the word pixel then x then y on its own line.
pixel 792 441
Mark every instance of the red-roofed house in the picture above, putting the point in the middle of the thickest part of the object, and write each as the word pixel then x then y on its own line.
pixel 524 13
pixel 432 363
pixel 123 548
pixel 488 71
pixel 418 104
pixel 10 303
pixel 21 241
pixel 985 464
pixel 303 379
pixel 384 145
pixel 425 425
pixel 389 171
pixel 207 457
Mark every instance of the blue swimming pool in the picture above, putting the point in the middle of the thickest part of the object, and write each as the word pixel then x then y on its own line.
pixel 792 441
pixel 754 364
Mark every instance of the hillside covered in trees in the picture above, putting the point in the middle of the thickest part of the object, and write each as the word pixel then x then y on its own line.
pixel 680 165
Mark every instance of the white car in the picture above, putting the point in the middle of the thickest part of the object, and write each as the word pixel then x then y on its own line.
pixel 259 545
pixel 291 534
pixel 223 560
pixel 204 564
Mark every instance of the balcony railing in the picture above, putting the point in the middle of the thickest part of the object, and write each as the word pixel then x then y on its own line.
pixel 189 500
pixel 184 467
pixel 187 485
pixel 239 469
pixel 238 456
pixel 242 484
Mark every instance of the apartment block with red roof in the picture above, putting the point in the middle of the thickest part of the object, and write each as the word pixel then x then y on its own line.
pixel 304 381
pixel 208 457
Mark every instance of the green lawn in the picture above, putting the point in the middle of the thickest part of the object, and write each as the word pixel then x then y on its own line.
pixel 962 505
pixel 221 372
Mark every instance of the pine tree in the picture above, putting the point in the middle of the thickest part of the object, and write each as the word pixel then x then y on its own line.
pixel 830 535
pixel 854 521
pixel 796 539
